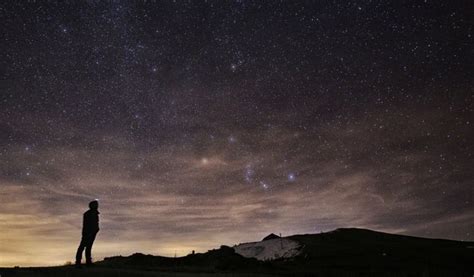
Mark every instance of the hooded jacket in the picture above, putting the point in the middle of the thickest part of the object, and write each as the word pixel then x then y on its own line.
pixel 90 224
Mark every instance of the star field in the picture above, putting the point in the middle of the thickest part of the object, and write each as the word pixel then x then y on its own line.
pixel 201 123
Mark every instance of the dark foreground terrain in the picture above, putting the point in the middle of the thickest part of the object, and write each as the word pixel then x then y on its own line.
pixel 343 252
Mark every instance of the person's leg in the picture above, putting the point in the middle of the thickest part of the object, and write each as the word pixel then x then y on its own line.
pixel 80 249
pixel 90 241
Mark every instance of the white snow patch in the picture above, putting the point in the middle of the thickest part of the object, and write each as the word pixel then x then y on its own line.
pixel 269 249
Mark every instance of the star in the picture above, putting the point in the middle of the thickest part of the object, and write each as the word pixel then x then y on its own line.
pixel 291 177
pixel 264 185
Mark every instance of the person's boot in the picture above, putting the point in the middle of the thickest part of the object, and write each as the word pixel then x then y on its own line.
pixel 89 263
pixel 78 264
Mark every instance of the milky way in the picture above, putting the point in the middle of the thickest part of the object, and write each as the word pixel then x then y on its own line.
pixel 198 124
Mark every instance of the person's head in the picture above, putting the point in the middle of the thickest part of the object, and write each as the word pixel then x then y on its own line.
pixel 94 205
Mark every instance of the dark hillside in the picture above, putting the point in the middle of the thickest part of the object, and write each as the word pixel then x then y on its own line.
pixel 367 251
pixel 343 252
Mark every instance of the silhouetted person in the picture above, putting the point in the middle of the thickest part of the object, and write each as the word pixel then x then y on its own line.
pixel 90 227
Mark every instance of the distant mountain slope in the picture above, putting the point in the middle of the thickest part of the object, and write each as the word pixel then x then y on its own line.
pixel 367 250
pixel 222 259
pixel 269 249
pixel 337 252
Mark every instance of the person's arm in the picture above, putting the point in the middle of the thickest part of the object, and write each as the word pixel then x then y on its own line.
pixel 97 223
pixel 84 223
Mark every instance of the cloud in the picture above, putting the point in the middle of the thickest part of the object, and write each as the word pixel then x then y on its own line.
pixel 166 198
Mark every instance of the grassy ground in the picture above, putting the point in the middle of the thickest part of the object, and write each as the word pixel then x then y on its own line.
pixel 68 271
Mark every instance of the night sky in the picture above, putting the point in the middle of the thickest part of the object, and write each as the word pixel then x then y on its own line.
pixel 201 123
